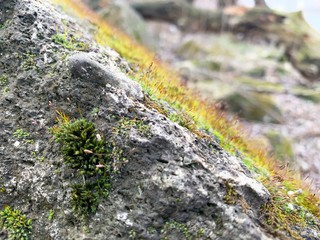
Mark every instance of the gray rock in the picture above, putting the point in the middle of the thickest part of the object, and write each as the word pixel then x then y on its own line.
pixel 94 75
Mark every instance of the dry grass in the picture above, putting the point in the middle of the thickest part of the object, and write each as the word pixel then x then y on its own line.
pixel 161 83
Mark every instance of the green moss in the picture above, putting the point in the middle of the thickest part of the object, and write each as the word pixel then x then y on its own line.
pixel 6 90
pixel 84 150
pixel 281 70
pixel 173 226
pixel 5 24
pixel 70 42
pixel 182 119
pixel 254 106
pixel 29 62
pixel 23 136
pixel 210 64
pixel 176 226
pixel 190 49
pixel 3 80
pixel 20 134
pixel 81 148
pixel 85 197
pixel 17 224
pixel 231 195
pixel 132 234
pixel 125 124
pixel 51 215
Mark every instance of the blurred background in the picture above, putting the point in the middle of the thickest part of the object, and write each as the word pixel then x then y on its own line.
pixel 257 59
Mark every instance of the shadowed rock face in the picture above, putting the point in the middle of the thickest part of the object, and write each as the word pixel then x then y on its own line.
pixel 173 183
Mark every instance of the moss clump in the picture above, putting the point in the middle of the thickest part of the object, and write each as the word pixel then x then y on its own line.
pixel 125 124
pixel 180 227
pixel 84 199
pixel 17 224
pixel 231 195
pixel 3 80
pixel 30 61
pixel 173 227
pixel 84 150
pixel 69 42
pixel 81 147
pixel 23 136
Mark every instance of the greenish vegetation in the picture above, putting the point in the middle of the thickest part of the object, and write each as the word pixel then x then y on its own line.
pixel 281 147
pixel 85 198
pixel 20 134
pixel 19 227
pixel 2 187
pixel 6 90
pixel 3 80
pixel 81 148
pixel 51 215
pixel 182 119
pixel 125 124
pixel 181 228
pixel 29 62
pixel 70 42
pixel 89 155
pixel 231 195
pixel 24 136
pixel 132 234
pixel 5 24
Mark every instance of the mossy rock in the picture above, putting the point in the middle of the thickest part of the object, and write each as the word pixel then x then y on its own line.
pixel 254 106
pixel 190 50
pixel 257 72
pixel 281 147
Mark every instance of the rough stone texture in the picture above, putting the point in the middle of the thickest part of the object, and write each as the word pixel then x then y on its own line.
pixel 93 75
pixel 171 175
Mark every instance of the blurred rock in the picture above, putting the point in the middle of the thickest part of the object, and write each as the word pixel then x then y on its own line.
pixel 281 147
pixel 121 15
pixel 254 106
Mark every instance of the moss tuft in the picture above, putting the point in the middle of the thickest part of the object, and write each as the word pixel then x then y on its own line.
pixel 81 147
pixel 69 42
pixel 85 151
pixel 3 80
pixel 16 223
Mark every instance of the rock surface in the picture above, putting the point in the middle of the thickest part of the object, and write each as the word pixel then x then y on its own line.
pixel 173 185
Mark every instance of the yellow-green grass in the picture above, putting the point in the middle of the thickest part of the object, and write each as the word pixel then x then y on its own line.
pixel 163 84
